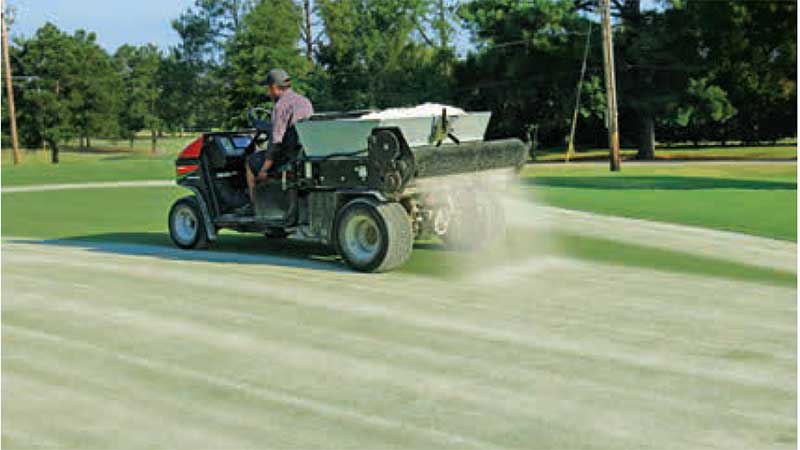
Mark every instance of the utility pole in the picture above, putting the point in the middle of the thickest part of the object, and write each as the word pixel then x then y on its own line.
pixel 9 87
pixel 611 87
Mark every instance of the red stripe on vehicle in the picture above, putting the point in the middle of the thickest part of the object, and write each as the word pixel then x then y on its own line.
pixel 182 170
pixel 192 150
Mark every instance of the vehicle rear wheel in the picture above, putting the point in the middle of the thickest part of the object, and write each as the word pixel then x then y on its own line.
pixel 373 236
pixel 186 224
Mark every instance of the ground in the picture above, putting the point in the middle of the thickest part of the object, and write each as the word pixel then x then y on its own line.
pixel 580 330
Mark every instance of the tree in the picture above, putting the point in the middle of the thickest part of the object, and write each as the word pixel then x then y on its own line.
pixel 41 105
pixel 197 63
pixel 527 65
pixel 207 25
pixel 372 57
pixel 268 37
pixel 750 52
pixel 91 86
pixel 701 109
pixel 139 68
pixel 74 88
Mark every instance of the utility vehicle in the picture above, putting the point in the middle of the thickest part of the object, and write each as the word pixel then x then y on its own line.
pixel 367 188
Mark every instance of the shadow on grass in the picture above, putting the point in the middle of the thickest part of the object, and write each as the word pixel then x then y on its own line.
pixel 429 259
pixel 659 183
pixel 242 249
pixel 229 248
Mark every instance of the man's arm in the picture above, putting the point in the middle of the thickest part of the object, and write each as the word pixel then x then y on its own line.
pixel 272 151
pixel 280 121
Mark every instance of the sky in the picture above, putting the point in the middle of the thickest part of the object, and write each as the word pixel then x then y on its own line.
pixel 115 22
pixel 118 22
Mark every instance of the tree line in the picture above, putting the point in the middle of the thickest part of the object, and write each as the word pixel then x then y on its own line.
pixel 687 70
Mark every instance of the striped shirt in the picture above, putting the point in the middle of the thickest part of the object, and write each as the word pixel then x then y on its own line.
pixel 290 108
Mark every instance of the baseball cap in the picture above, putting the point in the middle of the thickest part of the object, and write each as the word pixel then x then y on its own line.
pixel 277 77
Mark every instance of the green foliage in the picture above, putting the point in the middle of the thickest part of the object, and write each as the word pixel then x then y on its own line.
pixel 527 66
pixel 373 57
pixel 139 68
pixel 702 107
pixel 751 52
pixel 698 70
pixel 92 88
pixel 74 89
pixel 267 38
pixel 195 71
pixel 177 83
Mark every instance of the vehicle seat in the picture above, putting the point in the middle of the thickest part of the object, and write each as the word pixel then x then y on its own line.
pixel 216 155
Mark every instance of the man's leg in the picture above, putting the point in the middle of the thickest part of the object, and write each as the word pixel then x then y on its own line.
pixel 251 184
pixel 254 164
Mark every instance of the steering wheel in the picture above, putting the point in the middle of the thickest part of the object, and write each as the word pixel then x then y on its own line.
pixel 259 118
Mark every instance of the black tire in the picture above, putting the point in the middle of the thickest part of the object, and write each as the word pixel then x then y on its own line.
pixel 373 236
pixel 477 221
pixel 186 223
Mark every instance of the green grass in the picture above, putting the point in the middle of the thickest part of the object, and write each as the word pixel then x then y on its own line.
pixel 114 161
pixel 87 167
pixel 164 145
pixel 788 151
pixel 138 215
pixel 126 347
pixel 759 199
pixel 104 162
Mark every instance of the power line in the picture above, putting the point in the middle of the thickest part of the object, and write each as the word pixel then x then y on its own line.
pixel 571 145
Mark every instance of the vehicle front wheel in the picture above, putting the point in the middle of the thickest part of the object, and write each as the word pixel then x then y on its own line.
pixel 186 226
pixel 373 236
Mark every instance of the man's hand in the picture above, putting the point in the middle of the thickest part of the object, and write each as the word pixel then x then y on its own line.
pixel 262 174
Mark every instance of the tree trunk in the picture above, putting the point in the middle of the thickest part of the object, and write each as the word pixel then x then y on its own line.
pixel 153 140
pixel 88 142
pixel 444 38
pixel 308 37
pixel 53 150
pixel 647 140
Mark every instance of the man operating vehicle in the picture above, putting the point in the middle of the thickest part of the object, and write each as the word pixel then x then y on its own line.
pixel 290 108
